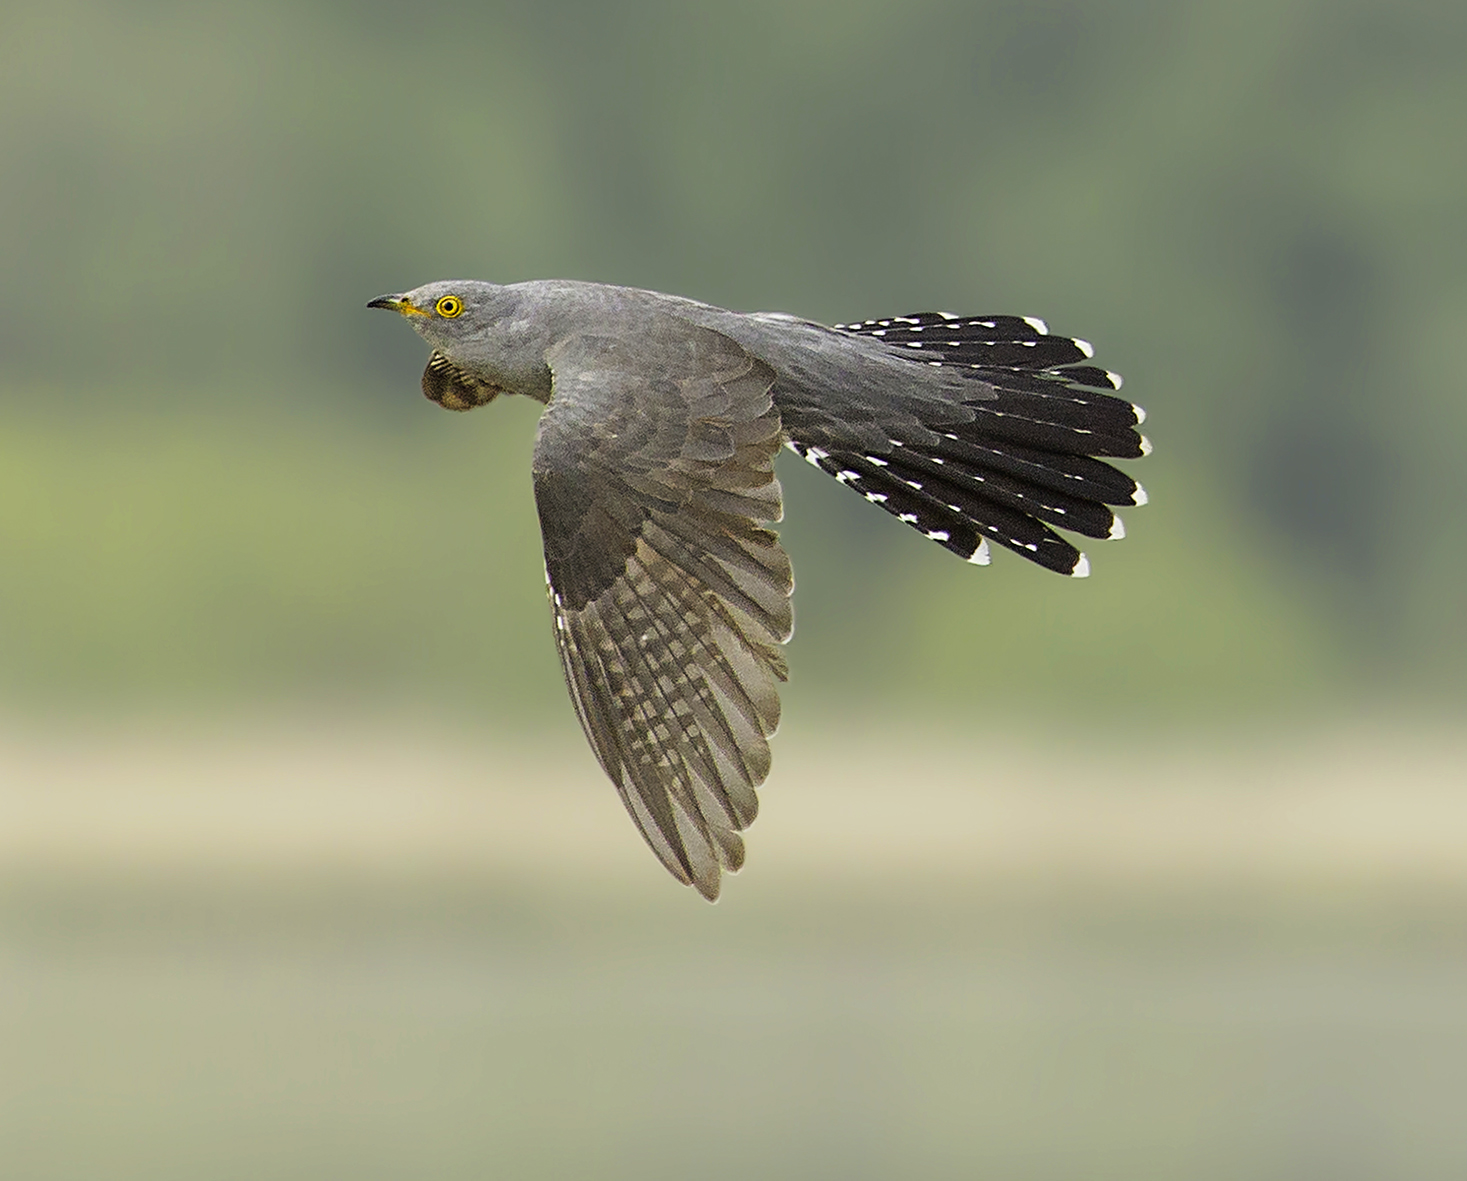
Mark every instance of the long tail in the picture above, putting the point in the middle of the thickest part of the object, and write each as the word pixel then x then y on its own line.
pixel 1012 460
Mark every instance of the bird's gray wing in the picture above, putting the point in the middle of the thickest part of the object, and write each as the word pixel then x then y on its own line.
pixel 653 478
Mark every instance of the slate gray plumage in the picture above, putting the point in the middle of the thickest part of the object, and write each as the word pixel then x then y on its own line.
pixel 654 482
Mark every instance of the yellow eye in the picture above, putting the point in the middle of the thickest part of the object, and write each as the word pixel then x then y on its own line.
pixel 449 306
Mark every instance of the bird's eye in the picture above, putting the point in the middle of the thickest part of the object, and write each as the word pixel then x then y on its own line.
pixel 449 306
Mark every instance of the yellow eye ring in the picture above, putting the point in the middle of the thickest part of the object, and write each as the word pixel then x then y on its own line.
pixel 449 306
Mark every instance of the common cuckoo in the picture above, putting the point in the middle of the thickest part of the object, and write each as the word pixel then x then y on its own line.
pixel 654 481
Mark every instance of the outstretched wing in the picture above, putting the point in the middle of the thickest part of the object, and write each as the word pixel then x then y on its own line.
pixel 653 477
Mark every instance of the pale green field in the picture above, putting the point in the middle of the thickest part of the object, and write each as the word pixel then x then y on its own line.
pixel 386 950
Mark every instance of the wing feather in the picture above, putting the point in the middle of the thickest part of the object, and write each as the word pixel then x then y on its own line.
pixel 654 480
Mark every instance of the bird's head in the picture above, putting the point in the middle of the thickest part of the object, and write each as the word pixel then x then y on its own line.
pixel 445 313
pixel 478 331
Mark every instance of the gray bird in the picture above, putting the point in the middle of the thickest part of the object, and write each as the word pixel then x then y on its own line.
pixel 654 481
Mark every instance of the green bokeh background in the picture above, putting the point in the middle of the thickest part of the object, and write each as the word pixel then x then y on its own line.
pixel 221 497
pixel 219 479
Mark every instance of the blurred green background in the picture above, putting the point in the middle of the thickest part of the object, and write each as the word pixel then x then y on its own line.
pixel 245 566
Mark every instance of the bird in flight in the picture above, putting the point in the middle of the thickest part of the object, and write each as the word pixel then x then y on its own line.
pixel 654 482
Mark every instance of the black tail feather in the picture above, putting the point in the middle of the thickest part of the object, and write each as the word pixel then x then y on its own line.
pixel 1054 403
pixel 1077 475
pixel 1019 456
pixel 1009 342
pixel 969 489
pixel 957 519
pixel 999 425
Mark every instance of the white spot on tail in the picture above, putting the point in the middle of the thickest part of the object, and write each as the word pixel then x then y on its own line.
pixel 1145 445
pixel 909 518
pixel 877 460
pixel 1084 346
pixel 1117 529
pixel 982 555
pixel 1139 496
pixel 938 535
pixel 1140 414
pixel 1035 323
pixel 1082 567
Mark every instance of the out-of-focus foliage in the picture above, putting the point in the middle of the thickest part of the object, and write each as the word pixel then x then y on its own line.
pixel 216 477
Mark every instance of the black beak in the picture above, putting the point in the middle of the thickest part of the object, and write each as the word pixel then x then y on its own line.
pixel 389 302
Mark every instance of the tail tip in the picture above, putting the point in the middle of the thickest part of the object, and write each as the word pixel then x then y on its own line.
pixel 1081 568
